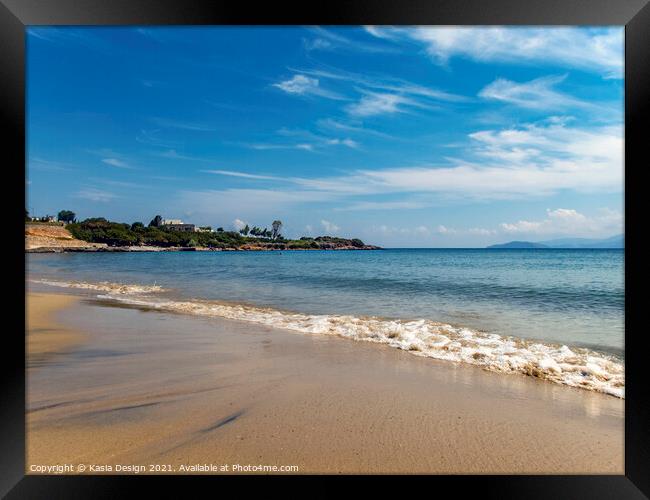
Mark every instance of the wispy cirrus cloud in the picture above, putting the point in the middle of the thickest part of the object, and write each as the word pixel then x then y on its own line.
pixel 331 124
pixel 116 162
pixel 328 41
pixel 596 49
pixel 36 163
pixel 111 157
pixel 385 32
pixel 304 86
pixel 94 194
pixel 381 83
pixel 535 94
pixel 303 140
pixel 380 94
pixel 182 125
pixel 243 175
pixel 380 103
pixel 262 146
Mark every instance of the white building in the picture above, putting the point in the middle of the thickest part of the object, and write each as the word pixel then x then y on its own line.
pixel 178 225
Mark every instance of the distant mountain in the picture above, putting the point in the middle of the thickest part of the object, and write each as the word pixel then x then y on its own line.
pixel 518 244
pixel 617 241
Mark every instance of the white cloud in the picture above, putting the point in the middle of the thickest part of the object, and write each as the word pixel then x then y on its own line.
pixel 379 103
pixel 565 221
pixel 383 205
pixel 330 124
pixel 481 231
pixel 383 84
pixel 529 161
pixel 305 85
pixel 593 49
pixel 387 33
pixel 298 84
pixel 318 44
pixel 475 231
pixel 232 173
pixel 304 140
pixel 535 94
pixel 344 142
pixel 270 146
pixel 418 231
pixel 94 194
pixel 330 40
pixel 329 227
pixel 175 155
pixel 115 162
pixel 238 224
pixel 533 160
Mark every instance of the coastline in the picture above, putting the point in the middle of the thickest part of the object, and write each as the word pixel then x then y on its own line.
pixel 96 249
pixel 261 395
pixel 56 238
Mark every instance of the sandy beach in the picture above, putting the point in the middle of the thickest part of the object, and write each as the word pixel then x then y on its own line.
pixel 45 336
pixel 118 385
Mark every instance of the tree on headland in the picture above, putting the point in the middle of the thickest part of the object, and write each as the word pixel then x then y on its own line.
pixel 66 216
pixel 156 221
pixel 277 224
pixel 116 234
pixel 245 230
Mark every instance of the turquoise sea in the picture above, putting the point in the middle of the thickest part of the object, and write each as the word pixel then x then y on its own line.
pixel 500 309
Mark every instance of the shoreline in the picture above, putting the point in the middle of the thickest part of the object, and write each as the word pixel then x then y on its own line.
pixel 586 367
pixel 258 394
pixel 183 249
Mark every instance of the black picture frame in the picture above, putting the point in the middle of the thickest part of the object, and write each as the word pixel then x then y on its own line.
pixel 15 15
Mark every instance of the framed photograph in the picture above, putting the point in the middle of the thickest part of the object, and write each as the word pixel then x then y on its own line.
pixel 361 238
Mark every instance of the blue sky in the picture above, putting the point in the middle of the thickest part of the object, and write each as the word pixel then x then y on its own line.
pixel 401 136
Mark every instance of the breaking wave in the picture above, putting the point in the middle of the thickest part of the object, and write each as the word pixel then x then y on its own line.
pixel 105 286
pixel 575 366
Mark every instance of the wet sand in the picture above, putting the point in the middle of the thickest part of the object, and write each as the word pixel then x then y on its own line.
pixel 151 388
pixel 46 337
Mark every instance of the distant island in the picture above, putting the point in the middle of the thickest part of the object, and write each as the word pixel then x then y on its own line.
pixel 518 244
pixel 617 241
pixel 101 235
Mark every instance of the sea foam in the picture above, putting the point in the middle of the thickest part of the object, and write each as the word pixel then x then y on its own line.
pixel 572 366
pixel 104 286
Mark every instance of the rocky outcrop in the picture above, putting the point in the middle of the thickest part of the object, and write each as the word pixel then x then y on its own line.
pixel 54 237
